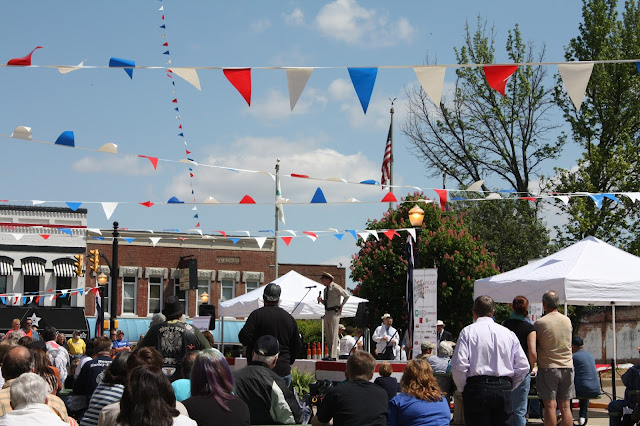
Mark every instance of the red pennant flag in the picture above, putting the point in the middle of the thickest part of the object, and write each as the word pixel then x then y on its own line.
pixel 45 236
pixel 190 174
pixel 188 152
pixel 389 198
pixel 390 233
pixel 182 238
pixel 163 17
pixel 24 61
pixel 147 204
pixel 224 234
pixel 50 291
pixel 55 297
pixel 498 75
pixel 532 199
pixel 154 161
pixel 198 225
pixel 247 200
pixel 311 234
pixel 38 299
pixel 180 126
pixel 73 293
pixel 299 176
pixel 17 298
pixel 169 75
pixel 442 193
pixel 166 44
pixel 241 80
pixel 287 240
pixel 175 101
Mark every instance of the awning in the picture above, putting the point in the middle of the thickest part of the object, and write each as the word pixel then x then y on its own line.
pixel 64 269
pixel 6 267
pixel 32 268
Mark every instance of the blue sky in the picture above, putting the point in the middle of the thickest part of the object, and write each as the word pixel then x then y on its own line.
pixel 326 135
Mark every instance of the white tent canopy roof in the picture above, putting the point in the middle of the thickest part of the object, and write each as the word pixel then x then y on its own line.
pixel 590 272
pixel 295 288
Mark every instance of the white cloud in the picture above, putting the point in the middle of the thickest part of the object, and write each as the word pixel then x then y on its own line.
pixel 347 21
pixel 120 165
pixel 275 106
pixel 341 89
pixel 295 18
pixel 261 25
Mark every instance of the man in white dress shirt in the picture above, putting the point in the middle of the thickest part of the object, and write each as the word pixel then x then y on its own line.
pixel 487 364
pixel 386 334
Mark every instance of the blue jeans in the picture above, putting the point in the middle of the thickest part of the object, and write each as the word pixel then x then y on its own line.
pixel 287 379
pixel 519 398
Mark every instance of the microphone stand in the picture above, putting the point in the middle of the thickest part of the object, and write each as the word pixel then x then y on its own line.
pixel 305 295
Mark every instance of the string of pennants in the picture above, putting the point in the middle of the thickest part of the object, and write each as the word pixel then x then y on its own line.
pixel 575 75
pixel 51 294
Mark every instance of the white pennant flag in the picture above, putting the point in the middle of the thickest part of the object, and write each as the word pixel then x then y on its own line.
pixel 563 198
pixel 37 202
pixel 431 79
pixel 22 132
pixel 154 240
pixel 161 8
pixel 188 74
pixel 364 235
pixel 17 236
pixel 476 186
pixel 375 235
pixel 297 79
pixel 412 232
pixel 109 209
pixel 634 196
pixel 95 230
pixel 575 77
pixel 260 241
pixel 67 70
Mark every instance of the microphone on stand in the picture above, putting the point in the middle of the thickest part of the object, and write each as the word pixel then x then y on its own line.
pixel 319 295
pixel 311 286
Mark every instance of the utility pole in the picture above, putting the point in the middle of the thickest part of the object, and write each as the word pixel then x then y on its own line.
pixel 391 146
pixel 277 212
pixel 114 279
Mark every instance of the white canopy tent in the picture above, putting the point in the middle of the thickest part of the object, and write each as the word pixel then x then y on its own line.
pixel 589 272
pixel 298 297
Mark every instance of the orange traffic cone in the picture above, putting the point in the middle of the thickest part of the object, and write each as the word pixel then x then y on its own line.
pixel 308 350
pixel 326 350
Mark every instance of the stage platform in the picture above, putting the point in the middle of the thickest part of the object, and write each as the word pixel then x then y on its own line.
pixel 332 370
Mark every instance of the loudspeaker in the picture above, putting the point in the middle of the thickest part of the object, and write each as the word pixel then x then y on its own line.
pixel 208 310
pixel 362 315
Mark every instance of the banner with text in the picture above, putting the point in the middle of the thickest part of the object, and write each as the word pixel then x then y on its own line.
pixel 425 307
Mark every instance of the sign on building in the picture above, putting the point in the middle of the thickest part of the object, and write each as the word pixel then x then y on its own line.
pixel 425 307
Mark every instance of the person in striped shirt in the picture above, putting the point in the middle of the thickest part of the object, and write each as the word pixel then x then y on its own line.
pixel 109 391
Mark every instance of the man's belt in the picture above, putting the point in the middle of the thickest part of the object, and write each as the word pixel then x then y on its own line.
pixel 334 308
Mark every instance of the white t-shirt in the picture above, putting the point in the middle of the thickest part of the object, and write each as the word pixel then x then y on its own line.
pixel 346 343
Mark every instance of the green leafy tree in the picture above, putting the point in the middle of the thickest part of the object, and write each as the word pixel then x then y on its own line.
pixel 380 266
pixel 475 132
pixel 607 126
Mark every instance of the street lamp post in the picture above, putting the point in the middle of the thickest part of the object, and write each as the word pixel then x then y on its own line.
pixel 102 280
pixel 114 279
pixel 416 216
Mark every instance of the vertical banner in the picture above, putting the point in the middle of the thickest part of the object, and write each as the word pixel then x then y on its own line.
pixel 425 307
pixel 535 311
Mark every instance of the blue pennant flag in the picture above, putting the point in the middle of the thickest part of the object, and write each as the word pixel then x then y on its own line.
pixel 235 240
pixel 597 198
pixel 80 291
pixel 181 134
pixel 318 197
pixel 176 108
pixel 123 63
pixel 196 216
pixel 612 197
pixel 267 230
pixel 338 236
pixel 370 182
pixel 457 199
pixel 163 26
pixel 166 53
pixel 24 300
pixel 638 66
pixel 174 200
pixel 129 240
pixel 352 232
pixel 363 80
pixel 4 300
pixel 66 138
pixel 73 206
pixel 66 230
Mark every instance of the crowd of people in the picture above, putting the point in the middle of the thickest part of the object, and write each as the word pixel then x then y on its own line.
pixel 173 376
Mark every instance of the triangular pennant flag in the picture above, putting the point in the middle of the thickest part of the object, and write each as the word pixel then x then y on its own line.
pixel 318 197
pixel 154 161
pixel 181 134
pixel 25 61
pixel 312 235
pixel 532 199
pixel 260 241
pixel 66 138
pixel 67 70
pixel 66 231
pixel 224 234
pixel 297 79
pixel 196 216
pixel 73 206
pixel 247 200
pixel 390 233
pixel 287 240
pixel 364 235
pixel 109 147
pixel 123 63
pixel 597 199
pixel 154 240
pixel 234 239
pixel 174 200
pixel 476 186
pixel 633 196
pixel 241 80
pixel 638 67
pixel 17 236
pixel 146 204
pixel 163 26
pixel 38 299
pixel 190 75
pixel 363 80
pixel 95 230
pixel 498 75
pixel 45 236
pixel 108 208
pixel 575 77
pixel 198 225
pixel 166 53
pixel 442 193
pixel 175 101
pixel 37 202
pixel 412 232
pixel 353 232
pixel 389 198
pixel 375 235
pixel 22 132
pixel 563 198
pixel 129 240
pixel 431 79
pixel 338 236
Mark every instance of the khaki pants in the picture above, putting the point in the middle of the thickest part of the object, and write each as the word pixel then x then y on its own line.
pixel 331 323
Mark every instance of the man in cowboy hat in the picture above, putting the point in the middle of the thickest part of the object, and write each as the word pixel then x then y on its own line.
pixel 174 338
pixel 333 293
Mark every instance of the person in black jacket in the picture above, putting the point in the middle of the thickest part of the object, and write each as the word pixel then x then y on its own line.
pixel 442 334
pixel 274 321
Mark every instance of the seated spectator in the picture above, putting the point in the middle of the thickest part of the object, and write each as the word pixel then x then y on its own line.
pixel 385 381
pixel 421 401
pixel 182 387
pixel 25 341
pixel 624 407
pixel 5 346
pixel 109 391
pixel 58 355
pixel 71 377
pixel 346 344
pixel 121 344
pixel 91 375
pixel 426 349
pixel 207 335
pixel 586 380
pixel 441 362
pixel 212 401
pixel 359 340
pixel 77 346
pixel 357 401
pixel 16 332
pixel 148 400
pixel 40 365
pixel 30 330
pixel 264 391
pixel 29 394
pixel 17 362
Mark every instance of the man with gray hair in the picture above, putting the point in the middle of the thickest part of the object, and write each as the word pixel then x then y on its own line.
pixel 269 399
pixel 29 395
pixel 555 363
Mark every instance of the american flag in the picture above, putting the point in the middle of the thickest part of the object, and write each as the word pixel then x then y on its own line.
pixel 386 162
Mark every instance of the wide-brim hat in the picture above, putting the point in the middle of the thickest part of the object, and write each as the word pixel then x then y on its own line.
pixel 385 316
pixel 173 307
pixel 439 322
pixel 326 275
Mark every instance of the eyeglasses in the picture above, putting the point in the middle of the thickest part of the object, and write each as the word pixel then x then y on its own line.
pixel 28 323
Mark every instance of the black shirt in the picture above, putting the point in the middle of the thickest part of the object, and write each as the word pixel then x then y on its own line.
pixel 389 384
pixel 522 329
pixel 354 403
pixel 206 411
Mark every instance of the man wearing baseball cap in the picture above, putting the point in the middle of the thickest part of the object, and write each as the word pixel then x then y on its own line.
pixel 269 399
pixel 275 321
pixel 333 294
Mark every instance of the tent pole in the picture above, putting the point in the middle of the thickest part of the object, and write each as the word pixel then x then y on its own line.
pixel 222 335
pixel 615 358
pixel 322 342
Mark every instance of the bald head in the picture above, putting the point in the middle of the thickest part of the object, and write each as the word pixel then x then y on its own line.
pixel 16 362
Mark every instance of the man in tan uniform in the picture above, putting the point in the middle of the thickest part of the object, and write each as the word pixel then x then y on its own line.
pixel 555 362
pixel 333 293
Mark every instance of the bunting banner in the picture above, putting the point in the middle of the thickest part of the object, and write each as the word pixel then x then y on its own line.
pixel 432 80
pixel 575 77
pixel 363 80
pixel 297 79
pixel 498 75
pixel 240 78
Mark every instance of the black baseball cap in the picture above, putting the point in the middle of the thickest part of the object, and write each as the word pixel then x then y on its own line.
pixel 271 292
pixel 267 345
pixel 577 341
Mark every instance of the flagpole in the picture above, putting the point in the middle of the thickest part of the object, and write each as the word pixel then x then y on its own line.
pixel 391 160
pixel 275 235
